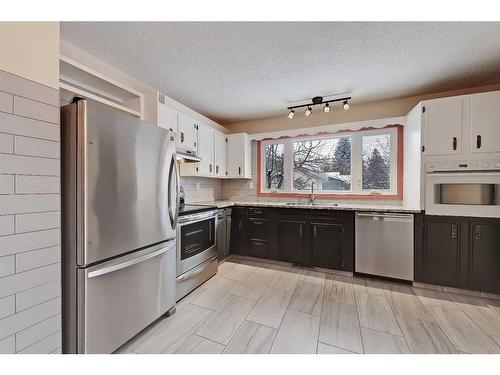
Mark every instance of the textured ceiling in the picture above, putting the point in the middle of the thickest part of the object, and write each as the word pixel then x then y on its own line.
pixel 239 71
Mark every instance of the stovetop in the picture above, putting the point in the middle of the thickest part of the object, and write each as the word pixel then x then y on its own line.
pixel 188 209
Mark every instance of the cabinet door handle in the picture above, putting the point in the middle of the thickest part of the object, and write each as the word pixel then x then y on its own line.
pixel 256 243
pixel 477 232
pixel 194 144
pixel 210 168
pixel 239 225
pixel 453 231
pixel 217 169
pixel 315 232
pixel 257 222
pixel 478 141
pixel 239 170
pixel 182 137
pixel 454 143
pixel 300 230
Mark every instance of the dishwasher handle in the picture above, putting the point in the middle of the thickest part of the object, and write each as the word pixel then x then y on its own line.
pixel 385 215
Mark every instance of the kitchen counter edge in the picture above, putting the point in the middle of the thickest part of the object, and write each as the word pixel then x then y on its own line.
pixel 341 207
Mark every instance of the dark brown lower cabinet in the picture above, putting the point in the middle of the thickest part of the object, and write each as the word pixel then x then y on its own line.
pixel 291 241
pixel 321 238
pixel 459 252
pixel 257 248
pixel 484 255
pixel 326 245
pixel 442 256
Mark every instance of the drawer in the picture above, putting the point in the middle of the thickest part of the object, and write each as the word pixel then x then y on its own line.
pixel 257 248
pixel 258 228
pixel 124 296
pixel 258 212
pixel 239 211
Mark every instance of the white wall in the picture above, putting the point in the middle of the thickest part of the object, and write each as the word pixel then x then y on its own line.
pixel 150 94
pixel 31 50
pixel 412 171
pixel 30 289
pixel 30 237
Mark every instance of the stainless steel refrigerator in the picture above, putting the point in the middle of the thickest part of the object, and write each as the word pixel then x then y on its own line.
pixel 119 212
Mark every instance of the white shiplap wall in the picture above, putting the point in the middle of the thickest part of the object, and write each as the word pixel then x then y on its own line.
pixel 30 235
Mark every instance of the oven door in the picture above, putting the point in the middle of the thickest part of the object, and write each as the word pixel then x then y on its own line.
pixel 463 194
pixel 196 241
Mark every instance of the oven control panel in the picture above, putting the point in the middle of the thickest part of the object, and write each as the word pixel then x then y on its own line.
pixel 459 165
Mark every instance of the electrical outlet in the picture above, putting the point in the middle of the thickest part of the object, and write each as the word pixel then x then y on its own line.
pixel 250 185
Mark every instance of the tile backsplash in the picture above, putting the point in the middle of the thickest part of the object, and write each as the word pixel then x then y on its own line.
pixel 201 189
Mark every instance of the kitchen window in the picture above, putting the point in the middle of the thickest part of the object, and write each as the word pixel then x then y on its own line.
pixel 376 172
pixel 326 162
pixel 274 154
pixel 362 163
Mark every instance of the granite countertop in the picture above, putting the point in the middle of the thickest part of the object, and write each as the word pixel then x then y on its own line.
pixel 316 206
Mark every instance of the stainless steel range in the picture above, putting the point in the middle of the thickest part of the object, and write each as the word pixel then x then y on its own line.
pixel 196 247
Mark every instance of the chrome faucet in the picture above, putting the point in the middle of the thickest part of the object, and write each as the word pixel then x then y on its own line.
pixel 311 196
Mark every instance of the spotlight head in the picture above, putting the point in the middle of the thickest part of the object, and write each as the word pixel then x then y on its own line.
pixel 346 105
pixel 326 108
pixel 308 111
pixel 291 114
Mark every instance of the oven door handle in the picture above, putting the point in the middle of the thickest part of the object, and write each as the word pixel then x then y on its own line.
pixel 196 270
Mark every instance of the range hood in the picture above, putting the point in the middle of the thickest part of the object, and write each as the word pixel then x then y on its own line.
pixel 186 156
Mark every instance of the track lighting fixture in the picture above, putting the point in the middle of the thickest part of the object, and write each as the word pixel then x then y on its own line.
pixel 346 105
pixel 317 100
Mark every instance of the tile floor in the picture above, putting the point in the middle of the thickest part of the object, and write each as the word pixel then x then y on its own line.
pixel 254 306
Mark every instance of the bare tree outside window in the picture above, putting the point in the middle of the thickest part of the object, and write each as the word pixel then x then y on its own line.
pixel 274 163
pixel 376 162
pixel 324 161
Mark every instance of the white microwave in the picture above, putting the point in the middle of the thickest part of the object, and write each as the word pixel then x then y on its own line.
pixel 464 193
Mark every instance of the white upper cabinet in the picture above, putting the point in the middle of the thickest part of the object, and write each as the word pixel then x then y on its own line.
pixel 443 124
pixel 167 117
pixel 220 151
pixel 206 167
pixel 222 156
pixel 239 156
pixel 485 122
pixel 464 126
pixel 187 132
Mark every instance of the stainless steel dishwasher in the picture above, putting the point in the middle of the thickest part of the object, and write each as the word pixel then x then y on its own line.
pixel 384 244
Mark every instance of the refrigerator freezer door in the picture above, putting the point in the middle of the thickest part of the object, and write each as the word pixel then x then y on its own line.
pixel 119 298
pixel 125 168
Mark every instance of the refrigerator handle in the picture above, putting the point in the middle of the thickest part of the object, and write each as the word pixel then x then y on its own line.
pixel 115 266
pixel 174 173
